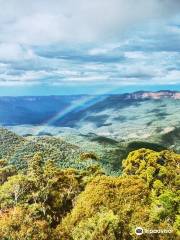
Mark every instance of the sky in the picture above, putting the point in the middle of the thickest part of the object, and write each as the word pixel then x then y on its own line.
pixel 52 47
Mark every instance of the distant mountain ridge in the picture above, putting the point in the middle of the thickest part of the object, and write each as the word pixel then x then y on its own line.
pixel 77 111
pixel 154 95
pixel 133 95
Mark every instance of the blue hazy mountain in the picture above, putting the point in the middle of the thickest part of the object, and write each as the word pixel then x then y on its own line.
pixel 39 110
pixel 69 111
pixel 102 124
pixel 141 115
pixel 31 110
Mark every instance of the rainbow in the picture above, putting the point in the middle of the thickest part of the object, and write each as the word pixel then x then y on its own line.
pixel 86 100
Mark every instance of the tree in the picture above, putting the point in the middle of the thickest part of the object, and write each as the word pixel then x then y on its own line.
pixel 106 206
pixel 35 166
pixel 6 170
pixel 20 223
pixel 16 189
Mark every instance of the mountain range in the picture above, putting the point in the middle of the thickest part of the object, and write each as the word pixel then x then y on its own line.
pixel 71 109
pixel 109 126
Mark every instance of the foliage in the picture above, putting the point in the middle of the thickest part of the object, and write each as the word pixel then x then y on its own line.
pixel 145 195
pixel 153 166
pixel 109 205
pixel 6 170
pixel 86 156
pixel 23 223
pixel 47 200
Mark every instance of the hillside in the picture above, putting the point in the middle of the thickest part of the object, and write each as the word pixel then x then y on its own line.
pixel 49 202
pixel 58 187
pixel 69 110
pixel 9 142
pixel 66 150
pixel 19 150
pixel 140 116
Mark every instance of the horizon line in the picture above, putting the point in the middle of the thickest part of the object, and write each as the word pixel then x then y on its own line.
pixel 86 94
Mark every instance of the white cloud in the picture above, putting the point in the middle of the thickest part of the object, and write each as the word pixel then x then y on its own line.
pixel 30 27
pixel 14 52
pixel 37 22
pixel 135 55
pixel 173 76
pixel 25 78
pixel 18 83
pixel 174 29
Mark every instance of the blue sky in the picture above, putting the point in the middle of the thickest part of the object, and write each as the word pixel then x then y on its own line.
pixel 51 47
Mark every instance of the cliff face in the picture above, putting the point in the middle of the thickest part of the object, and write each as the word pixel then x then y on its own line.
pixel 154 95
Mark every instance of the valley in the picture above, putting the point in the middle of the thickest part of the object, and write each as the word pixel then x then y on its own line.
pixel 108 126
pixel 78 164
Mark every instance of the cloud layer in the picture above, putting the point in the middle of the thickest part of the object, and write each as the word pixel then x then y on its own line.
pixel 51 21
pixel 98 42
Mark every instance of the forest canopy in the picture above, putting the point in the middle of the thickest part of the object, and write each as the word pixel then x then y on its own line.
pixel 46 201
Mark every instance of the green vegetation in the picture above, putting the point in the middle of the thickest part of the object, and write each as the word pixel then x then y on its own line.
pixel 18 151
pixel 47 194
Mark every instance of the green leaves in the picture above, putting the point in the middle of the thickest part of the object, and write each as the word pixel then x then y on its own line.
pixel 48 202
